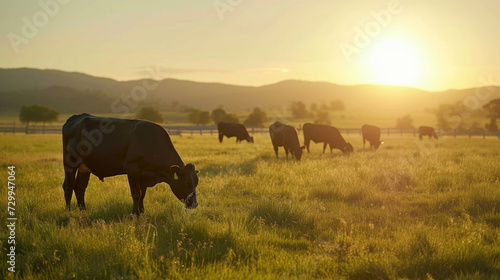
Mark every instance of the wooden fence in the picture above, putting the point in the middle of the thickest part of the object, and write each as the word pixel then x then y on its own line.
pixel 19 128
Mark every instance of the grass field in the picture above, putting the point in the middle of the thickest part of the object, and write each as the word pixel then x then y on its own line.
pixel 411 210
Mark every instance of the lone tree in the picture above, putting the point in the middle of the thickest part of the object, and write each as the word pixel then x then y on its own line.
pixel 150 114
pixel 322 117
pixel 404 122
pixel 219 115
pixel 37 113
pixel 493 109
pixel 199 117
pixel 256 118
pixel 299 110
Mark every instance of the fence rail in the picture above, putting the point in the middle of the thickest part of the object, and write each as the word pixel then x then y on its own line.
pixel 19 128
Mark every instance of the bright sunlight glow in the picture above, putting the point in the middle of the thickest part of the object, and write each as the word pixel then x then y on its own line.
pixel 395 62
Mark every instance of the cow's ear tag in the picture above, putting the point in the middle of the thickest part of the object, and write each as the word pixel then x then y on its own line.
pixel 175 170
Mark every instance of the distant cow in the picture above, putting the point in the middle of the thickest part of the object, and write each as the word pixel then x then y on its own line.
pixel 285 136
pixel 107 147
pixel 372 134
pixel 426 131
pixel 329 135
pixel 233 130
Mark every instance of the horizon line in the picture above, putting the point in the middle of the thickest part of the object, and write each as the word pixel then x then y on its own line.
pixel 255 86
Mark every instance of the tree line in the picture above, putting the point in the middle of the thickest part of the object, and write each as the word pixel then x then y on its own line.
pixel 449 116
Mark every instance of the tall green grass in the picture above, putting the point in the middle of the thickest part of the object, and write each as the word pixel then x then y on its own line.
pixel 406 211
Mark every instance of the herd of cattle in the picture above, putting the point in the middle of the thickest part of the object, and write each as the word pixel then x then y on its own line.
pixel 143 151
pixel 286 136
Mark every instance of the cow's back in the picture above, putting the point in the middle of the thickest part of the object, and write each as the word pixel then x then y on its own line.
pixel 232 130
pixel 284 135
pixel 110 146
pixel 320 133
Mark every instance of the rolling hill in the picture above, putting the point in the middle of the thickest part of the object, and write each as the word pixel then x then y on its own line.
pixel 71 92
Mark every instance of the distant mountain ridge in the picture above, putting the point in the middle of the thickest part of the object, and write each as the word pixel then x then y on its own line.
pixel 73 92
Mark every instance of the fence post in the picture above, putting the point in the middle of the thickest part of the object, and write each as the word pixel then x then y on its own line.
pixel 26 129
pixel 43 129
pixel 14 128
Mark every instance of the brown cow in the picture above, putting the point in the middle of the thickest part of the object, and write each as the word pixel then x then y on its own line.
pixel 372 134
pixel 426 131
pixel 285 136
pixel 329 135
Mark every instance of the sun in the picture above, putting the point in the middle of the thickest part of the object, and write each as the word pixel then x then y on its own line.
pixel 395 62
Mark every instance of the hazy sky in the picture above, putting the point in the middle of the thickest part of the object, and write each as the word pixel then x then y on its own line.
pixel 253 42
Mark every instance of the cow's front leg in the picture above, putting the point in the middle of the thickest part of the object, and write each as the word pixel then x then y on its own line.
pixel 135 190
pixel 68 187
pixel 82 181
pixel 286 153
pixel 324 147
pixel 141 199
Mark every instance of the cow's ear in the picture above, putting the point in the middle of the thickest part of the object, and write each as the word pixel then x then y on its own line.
pixel 303 147
pixel 197 171
pixel 175 169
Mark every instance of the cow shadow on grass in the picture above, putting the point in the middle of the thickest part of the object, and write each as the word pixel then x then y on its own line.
pixel 246 167
pixel 114 211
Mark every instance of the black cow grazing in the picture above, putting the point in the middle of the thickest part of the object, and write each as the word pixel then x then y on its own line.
pixel 329 135
pixel 285 136
pixel 426 131
pixel 372 134
pixel 233 130
pixel 107 147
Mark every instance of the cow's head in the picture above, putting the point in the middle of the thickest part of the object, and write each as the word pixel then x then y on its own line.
pixel 184 187
pixel 348 148
pixel 377 144
pixel 250 139
pixel 297 151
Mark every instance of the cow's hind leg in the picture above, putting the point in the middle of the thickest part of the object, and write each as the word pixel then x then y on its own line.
pixel 82 181
pixel 135 190
pixel 141 199
pixel 68 187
